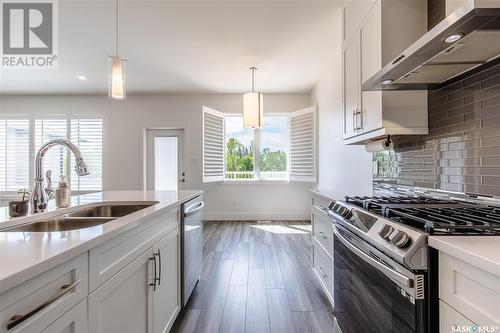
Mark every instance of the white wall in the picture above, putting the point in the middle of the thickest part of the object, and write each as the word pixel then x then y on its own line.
pixel 345 170
pixel 125 124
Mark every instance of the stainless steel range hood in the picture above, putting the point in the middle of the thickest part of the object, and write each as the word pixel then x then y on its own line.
pixel 436 57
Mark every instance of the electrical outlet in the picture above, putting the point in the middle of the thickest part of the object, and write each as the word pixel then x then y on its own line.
pixel 235 204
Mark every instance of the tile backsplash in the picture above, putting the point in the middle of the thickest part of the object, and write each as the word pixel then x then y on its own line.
pixel 461 153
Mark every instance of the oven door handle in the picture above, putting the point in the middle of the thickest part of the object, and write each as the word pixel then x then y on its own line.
pixel 392 274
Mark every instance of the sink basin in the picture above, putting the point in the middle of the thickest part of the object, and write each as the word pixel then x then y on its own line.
pixel 81 219
pixel 110 210
pixel 60 224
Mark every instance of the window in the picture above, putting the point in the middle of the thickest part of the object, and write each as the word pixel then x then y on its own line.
pixel 239 152
pixel 274 148
pixel 284 149
pixel 20 139
pixel 14 154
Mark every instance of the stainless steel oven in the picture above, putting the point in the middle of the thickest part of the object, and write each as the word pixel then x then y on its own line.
pixel 372 292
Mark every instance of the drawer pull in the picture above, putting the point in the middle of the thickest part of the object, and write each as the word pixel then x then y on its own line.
pixel 322 234
pixel 320 269
pixel 18 319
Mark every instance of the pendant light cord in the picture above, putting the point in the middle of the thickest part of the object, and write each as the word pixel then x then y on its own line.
pixel 116 28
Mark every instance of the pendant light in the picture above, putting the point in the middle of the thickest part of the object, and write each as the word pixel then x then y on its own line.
pixel 117 68
pixel 253 106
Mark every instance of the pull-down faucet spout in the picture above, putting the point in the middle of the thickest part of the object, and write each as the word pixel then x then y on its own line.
pixel 39 197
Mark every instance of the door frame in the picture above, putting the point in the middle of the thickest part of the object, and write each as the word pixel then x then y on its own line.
pixel 145 151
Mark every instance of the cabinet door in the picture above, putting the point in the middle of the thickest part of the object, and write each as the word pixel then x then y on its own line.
pixel 123 303
pixel 370 118
pixel 449 318
pixel 73 321
pixel 352 85
pixel 167 296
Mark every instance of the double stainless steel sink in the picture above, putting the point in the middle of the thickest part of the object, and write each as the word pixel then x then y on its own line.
pixel 81 219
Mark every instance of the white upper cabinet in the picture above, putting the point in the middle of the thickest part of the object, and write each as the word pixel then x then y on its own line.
pixel 354 12
pixel 352 85
pixel 388 27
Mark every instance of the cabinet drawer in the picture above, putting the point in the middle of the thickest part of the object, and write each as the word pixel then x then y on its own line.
pixel 73 321
pixel 323 267
pixel 46 297
pixel 471 291
pixel 450 318
pixel 323 230
pixel 110 257
pixel 321 203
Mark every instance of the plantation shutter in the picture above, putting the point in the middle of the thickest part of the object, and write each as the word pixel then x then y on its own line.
pixel 303 145
pixel 56 157
pixel 14 154
pixel 87 134
pixel 213 145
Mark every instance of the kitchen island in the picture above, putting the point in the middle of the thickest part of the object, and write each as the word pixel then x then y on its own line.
pixel 129 265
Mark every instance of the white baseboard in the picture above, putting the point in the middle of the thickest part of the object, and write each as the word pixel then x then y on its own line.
pixel 256 216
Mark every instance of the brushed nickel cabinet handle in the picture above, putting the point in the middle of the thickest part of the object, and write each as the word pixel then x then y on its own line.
pixel 158 253
pixel 18 319
pixel 153 284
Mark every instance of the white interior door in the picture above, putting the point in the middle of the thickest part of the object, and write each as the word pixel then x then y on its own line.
pixel 165 159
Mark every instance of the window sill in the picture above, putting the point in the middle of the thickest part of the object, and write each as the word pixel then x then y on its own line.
pixel 256 182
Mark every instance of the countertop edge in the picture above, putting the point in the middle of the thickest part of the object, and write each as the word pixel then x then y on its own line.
pixel 32 271
pixel 446 245
pixel 326 194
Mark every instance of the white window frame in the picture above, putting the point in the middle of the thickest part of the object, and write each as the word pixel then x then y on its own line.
pixel 69 116
pixel 256 150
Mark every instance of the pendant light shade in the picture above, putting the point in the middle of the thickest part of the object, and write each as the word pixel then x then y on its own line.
pixel 253 106
pixel 117 78
pixel 116 89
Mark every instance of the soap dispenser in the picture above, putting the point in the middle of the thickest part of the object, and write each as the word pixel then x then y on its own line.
pixel 63 193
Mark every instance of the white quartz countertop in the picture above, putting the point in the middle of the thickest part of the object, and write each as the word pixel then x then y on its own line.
pixel 331 195
pixel 24 255
pixel 480 251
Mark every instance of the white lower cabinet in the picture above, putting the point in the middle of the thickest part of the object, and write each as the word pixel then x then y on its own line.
pixel 167 296
pixel 450 319
pixel 123 303
pixel 144 296
pixel 322 245
pixel 73 321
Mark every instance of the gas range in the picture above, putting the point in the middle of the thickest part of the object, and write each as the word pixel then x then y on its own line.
pixel 399 226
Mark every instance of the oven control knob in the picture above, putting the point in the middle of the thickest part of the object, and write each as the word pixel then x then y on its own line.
pixel 385 231
pixel 400 238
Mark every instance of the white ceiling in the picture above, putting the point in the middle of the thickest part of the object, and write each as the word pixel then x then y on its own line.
pixel 188 46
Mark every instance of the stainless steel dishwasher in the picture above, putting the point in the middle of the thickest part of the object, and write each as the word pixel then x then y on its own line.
pixel 192 245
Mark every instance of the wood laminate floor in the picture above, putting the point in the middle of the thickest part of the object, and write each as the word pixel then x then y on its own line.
pixel 257 278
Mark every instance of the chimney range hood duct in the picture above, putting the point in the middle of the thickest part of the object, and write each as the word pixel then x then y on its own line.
pixel 465 39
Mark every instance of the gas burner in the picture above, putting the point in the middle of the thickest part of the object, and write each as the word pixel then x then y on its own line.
pixel 450 220
pixel 434 216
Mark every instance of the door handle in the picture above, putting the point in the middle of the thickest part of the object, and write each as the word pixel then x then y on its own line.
pixel 153 284
pixel 158 253
pixel 183 180
pixel 18 319
pixel 193 209
pixel 354 120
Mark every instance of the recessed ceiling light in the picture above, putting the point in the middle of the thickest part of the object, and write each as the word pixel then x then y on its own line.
pixel 453 38
pixel 387 81
pixel 81 77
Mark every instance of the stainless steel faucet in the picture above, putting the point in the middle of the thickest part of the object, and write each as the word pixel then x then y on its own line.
pixel 39 198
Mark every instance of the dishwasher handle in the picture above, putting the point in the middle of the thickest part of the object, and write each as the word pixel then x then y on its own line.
pixel 193 209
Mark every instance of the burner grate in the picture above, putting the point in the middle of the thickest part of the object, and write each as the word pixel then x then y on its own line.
pixel 450 220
